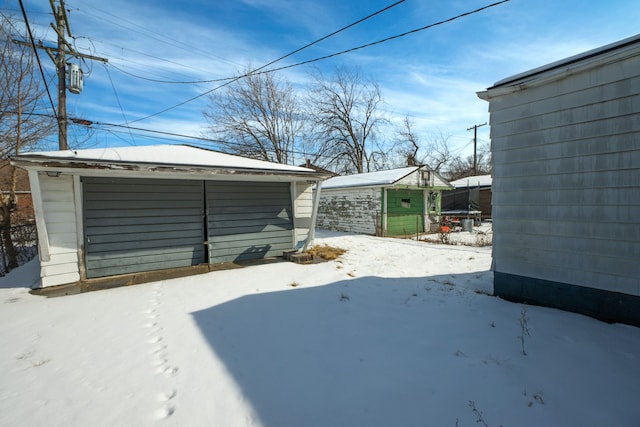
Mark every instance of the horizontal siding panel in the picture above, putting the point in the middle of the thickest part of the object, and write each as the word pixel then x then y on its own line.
pixel 137 268
pixel 528 132
pixel 350 210
pixel 537 150
pixel 59 268
pixel 115 259
pixel 571 196
pixel 620 77
pixel 166 221
pixel 63 242
pixel 163 230
pixel 262 237
pixel 134 225
pixel 558 102
pixel 255 229
pixel 577 164
pixel 537 225
pixel 62 258
pixel 59 217
pixel 60 279
pixel 248 220
pixel 626 214
pixel 61 227
pixel 566 242
pixel 123 197
pixel 194 233
pixel 580 262
pixel 594 280
pixel 131 245
pixel 143 205
pixel 595 179
pixel 167 212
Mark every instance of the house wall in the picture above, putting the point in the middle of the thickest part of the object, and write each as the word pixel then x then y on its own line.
pixel 350 209
pixel 59 213
pixel 566 193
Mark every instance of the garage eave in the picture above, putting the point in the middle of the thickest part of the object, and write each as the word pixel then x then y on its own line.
pixel 83 167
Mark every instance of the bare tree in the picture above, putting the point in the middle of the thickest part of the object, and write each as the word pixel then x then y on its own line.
pixel 462 167
pixel 345 114
pixel 258 116
pixel 20 126
pixel 434 153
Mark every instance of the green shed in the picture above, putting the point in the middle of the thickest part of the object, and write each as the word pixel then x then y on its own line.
pixel 395 202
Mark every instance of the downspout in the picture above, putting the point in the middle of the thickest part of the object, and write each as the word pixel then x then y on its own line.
pixel 314 215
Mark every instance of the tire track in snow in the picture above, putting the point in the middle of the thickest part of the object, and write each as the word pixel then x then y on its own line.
pixel 160 355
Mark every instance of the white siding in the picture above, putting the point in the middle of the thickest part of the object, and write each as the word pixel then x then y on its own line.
pixel 566 178
pixel 354 210
pixel 58 206
pixel 303 209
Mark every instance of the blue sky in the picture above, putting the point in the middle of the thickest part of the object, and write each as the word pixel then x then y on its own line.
pixel 431 76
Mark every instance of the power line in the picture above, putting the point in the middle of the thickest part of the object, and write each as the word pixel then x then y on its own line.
pixel 426 27
pixel 35 51
pixel 258 72
pixel 255 71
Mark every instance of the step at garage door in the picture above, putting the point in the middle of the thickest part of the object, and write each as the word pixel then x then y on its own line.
pixel 137 225
pixel 248 220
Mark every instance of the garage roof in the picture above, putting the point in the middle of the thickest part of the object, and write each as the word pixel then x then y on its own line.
pixel 370 178
pixel 473 181
pixel 163 156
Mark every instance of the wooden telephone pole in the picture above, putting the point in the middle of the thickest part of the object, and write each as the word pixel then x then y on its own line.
pixel 475 146
pixel 59 57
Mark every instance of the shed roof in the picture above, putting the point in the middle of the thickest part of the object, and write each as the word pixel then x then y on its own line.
pixel 184 156
pixel 473 181
pixel 368 179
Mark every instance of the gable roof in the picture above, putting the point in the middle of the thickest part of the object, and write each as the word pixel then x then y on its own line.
pixel 178 156
pixel 379 178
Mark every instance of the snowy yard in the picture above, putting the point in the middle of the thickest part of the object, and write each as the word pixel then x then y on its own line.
pixel 395 333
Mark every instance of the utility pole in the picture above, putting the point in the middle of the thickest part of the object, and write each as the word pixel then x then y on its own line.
pixel 475 146
pixel 63 49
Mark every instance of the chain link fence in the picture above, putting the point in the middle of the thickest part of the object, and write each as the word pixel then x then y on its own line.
pixel 25 242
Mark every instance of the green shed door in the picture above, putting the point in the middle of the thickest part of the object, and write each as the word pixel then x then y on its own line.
pixel 405 212
pixel 136 225
pixel 248 220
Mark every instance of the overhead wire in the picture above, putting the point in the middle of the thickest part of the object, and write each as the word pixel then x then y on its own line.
pixel 260 70
pixel 253 72
pixel 152 34
pixel 124 116
pixel 35 51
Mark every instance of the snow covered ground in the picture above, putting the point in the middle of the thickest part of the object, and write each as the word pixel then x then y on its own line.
pixel 395 333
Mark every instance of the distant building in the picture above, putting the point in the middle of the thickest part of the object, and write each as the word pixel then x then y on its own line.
pixel 394 202
pixel 472 193
pixel 23 213
pixel 566 183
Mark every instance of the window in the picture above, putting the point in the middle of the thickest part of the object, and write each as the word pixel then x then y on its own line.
pixel 406 203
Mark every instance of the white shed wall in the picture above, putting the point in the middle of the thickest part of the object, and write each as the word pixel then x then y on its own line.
pixel 303 211
pixel 566 178
pixel 353 210
pixel 59 213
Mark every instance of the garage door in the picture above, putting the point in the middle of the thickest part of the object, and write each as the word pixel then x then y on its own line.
pixel 248 220
pixel 136 225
